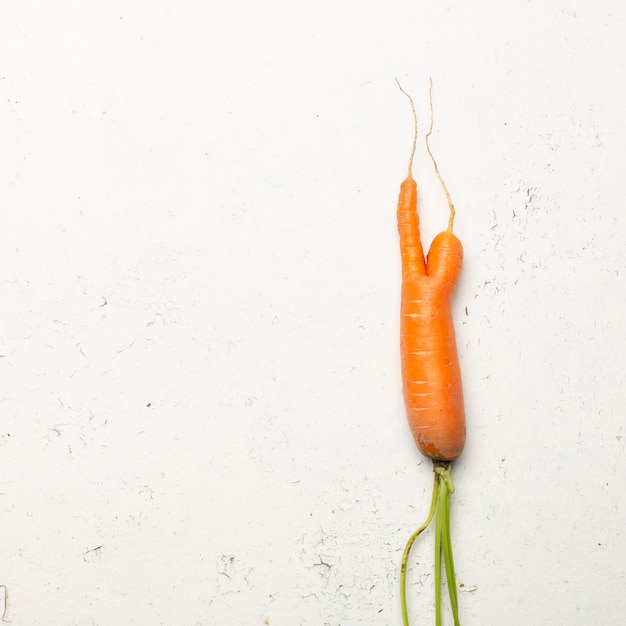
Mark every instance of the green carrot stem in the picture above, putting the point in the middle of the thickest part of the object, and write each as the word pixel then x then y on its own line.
pixel 442 488
pixel 407 550
pixel 447 548
pixel 441 503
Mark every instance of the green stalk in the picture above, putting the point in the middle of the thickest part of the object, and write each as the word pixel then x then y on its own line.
pixel 449 560
pixel 444 511
pixel 443 493
pixel 440 504
pixel 407 550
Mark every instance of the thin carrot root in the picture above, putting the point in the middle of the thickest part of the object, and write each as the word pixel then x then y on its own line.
pixel 415 127
pixel 443 184
pixel 440 504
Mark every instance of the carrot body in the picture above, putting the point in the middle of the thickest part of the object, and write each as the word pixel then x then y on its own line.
pixel 431 377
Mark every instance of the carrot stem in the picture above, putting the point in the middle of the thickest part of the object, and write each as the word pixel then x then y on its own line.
pixel 407 550
pixel 438 523
pixel 440 504
pixel 447 488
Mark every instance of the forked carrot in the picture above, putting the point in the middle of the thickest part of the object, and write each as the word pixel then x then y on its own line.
pixel 431 377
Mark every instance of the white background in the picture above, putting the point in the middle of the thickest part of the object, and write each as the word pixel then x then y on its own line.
pixel 200 411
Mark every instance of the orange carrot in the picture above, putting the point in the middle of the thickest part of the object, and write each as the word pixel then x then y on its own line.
pixel 431 378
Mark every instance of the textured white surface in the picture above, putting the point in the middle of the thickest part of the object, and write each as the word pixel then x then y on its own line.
pixel 200 411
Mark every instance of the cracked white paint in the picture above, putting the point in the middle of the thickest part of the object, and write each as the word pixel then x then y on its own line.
pixel 201 420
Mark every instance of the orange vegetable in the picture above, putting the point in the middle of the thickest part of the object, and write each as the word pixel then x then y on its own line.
pixel 431 378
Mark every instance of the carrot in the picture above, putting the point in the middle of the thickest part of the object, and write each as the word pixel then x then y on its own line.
pixel 431 377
